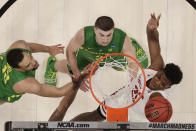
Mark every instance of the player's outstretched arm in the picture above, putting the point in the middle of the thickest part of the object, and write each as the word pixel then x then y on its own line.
pixel 153 42
pixel 75 43
pixel 67 100
pixel 129 49
pixel 31 85
pixel 34 47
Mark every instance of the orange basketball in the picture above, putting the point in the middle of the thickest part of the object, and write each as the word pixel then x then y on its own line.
pixel 158 109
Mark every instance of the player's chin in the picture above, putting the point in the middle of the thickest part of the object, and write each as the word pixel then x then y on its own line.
pixel 104 44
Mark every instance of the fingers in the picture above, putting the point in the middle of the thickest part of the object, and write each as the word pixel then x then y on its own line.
pixel 60 46
pixel 81 79
pixel 87 83
pixel 159 17
pixel 89 67
pixel 83 75
pixel 84 87
pixel 96 67
pixel 153 23
pixel 154 17
pixel 61 51
pixel 74 79
pixel 56 49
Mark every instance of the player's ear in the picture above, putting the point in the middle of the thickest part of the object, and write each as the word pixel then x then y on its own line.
pixel 95 28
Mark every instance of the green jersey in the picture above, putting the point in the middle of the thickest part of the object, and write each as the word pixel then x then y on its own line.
pixel 91 51
pixel 140 54
pixel 8 77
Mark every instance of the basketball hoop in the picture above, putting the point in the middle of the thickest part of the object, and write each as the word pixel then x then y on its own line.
pixel 132 86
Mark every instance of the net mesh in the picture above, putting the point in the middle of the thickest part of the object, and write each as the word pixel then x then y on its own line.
pixel 117 84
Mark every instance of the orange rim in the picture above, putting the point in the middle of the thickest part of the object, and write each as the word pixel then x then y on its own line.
pixel 97 64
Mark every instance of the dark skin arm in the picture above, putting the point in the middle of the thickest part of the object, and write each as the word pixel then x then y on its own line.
pixel 157 62
pixel 67 100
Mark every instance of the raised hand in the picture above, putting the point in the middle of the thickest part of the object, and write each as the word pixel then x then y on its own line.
pixel 82 81
pixel 153 23
pixel 56 49
pixel 89 67
pixel 85 83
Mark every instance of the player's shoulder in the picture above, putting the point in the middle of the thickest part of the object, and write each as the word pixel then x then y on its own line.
pixel 89 27
pixel 79 35
pixel 119 30
pixel 88 30
pixel 81 31
pixel 19 44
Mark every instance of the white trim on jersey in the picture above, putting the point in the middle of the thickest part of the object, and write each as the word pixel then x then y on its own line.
pixel 138 108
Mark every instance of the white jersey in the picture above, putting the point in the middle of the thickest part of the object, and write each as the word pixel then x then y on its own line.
pixel 126 95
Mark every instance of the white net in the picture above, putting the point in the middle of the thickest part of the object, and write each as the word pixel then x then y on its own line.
pixel 115 83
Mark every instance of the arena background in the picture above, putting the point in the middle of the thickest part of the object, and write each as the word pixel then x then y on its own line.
pixel 56 21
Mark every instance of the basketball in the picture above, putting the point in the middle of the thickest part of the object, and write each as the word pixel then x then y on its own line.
pixel 158 109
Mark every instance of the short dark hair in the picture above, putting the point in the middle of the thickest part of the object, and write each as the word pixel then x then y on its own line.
pixel 173 73
pixel 105 23
pixel 14 57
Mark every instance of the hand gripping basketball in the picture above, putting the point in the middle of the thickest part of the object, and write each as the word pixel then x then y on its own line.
pixel 158 109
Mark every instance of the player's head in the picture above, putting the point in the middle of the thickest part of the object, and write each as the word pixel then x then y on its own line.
pixel 104 28
pixel 21 60
pixel 164 79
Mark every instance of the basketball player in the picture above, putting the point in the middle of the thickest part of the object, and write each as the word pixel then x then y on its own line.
pixel 93 42
pixel 18 66
pixel 159 78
